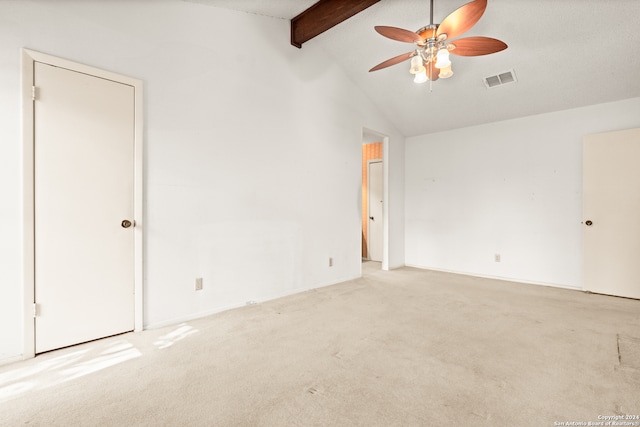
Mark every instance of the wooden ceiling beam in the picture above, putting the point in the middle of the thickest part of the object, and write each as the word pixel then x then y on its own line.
pixel 322 16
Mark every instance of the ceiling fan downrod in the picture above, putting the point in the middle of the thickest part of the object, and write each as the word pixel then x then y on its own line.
pixel 431 14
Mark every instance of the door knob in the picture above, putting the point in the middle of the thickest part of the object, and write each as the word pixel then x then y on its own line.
pixel 589 223
pixel 126 223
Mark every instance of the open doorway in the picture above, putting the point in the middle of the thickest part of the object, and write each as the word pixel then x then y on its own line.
pixel 374 212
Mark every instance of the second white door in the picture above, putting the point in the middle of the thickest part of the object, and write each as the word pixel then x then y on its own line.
pixel 84 172
pixel 611 208
pixel 376 205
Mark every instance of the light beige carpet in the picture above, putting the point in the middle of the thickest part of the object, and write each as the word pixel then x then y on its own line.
pixel 402 348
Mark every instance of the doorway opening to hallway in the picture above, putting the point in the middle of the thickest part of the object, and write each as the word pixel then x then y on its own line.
pixel 374 215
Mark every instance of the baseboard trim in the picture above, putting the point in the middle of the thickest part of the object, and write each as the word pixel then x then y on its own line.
pixel 13 359
pixel 396 266
pixel 177 320
pixel 504 279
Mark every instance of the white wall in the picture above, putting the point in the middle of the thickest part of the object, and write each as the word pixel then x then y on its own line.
pixel 512 188
pixel 253 152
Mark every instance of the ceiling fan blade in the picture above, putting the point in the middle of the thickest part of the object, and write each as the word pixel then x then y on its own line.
pixel 393 61
pixel 476 46
pixel 462 19
pixel 399 34
pixel 433 73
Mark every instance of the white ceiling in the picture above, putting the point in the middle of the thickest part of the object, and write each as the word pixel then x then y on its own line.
pixel 283 9
pixel 565 54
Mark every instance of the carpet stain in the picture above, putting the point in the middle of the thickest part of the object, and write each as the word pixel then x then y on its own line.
pixel 313 390
pixel 618 342
pixel 629 351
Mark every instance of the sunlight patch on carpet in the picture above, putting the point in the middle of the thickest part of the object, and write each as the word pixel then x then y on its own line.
pixel 50 371
pixel 182 332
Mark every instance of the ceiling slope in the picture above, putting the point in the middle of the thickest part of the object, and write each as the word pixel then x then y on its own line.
pixel 565 54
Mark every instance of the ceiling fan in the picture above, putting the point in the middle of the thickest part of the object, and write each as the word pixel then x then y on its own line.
pixel 430 59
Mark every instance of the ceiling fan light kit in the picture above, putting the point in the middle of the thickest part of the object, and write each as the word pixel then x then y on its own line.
pixel 430 60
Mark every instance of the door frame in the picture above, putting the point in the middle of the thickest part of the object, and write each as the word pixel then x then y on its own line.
pixel 29 57
pixel 367 133
pixel 369 162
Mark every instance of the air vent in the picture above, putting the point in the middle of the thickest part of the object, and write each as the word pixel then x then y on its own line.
pixel 500 79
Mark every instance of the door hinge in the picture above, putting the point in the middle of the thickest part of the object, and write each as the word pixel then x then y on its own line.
pixel 36 310
pixel 33 93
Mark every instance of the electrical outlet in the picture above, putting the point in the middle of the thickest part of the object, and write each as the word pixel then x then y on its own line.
pixel 330 262
pixel 497 257
pixel 198 283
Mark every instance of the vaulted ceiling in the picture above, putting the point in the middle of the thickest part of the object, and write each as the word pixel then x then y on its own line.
pixel 565 54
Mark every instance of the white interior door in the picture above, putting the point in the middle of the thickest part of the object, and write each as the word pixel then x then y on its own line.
pixel 376 203
pixel 83 183
pixel 611 208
